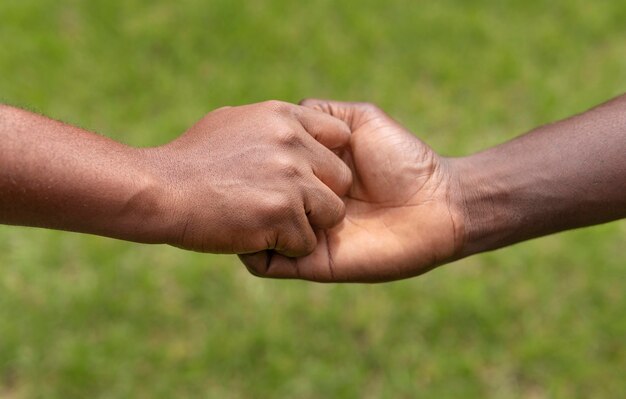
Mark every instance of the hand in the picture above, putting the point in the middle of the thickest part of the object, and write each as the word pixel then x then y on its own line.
pixel 401 214
pixel 250 178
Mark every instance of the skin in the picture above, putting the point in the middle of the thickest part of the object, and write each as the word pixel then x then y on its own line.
pixel 243 179
pixel 410 209
pixel 276 199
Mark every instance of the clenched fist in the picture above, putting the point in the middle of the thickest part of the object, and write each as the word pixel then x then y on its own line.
pixel 243 179
pixel 251 178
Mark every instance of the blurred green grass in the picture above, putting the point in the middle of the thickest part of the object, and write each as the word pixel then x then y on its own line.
pixel 84 316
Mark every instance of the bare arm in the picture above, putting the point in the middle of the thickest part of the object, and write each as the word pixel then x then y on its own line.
pixel 242 179
pixel 560 176
pixel 58 176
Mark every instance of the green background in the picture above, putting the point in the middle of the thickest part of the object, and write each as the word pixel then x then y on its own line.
pixel 89 317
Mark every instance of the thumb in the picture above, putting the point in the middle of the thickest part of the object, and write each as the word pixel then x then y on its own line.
pixel 354 114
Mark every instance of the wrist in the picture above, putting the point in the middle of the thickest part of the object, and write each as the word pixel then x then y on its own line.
pixel 148 213
pixel 481 194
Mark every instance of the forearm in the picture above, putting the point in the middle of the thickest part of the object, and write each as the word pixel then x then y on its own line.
pixel 58 176
pixel 560 176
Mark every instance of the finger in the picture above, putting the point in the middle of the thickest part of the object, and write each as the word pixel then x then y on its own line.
pixel 354 114
pixel 337 109
pixel 328 167
pixel 314 267
pixel 324 208
pixel 269 264
pixel 357 115
pixel 331 132
pixel 257 263
pixel 296 238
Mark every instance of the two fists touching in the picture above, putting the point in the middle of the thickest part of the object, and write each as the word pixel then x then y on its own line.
pixel 320 191
pixel 325 191
pixel 401 218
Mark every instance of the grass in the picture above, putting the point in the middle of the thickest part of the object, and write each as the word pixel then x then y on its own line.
pixel 85 316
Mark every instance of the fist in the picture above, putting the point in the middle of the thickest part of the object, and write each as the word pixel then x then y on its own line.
pixel 252 178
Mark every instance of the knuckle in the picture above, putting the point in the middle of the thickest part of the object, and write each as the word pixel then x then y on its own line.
pixel 328 210
pixel 340 210
pixel 346 177
pixel 278 209
pixel 344 129
pixel 278 106
pixel 253 265
pixel 303 240
pixel 252 269
pixel 288 137
pixel 335 210
pixel 317 105
pixel 288 168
